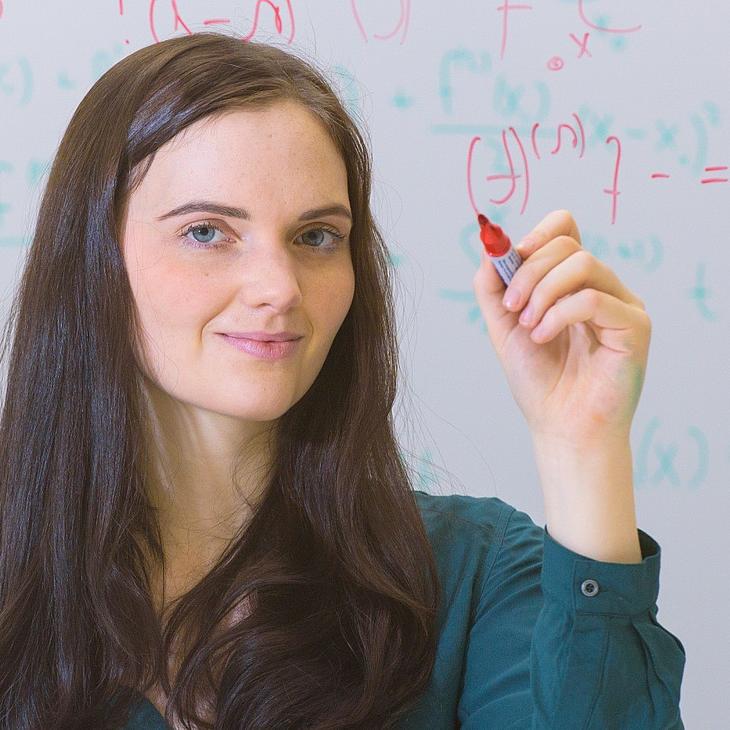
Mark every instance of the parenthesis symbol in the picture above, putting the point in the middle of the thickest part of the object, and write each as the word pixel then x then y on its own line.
pixel 656 260
pixel 643 452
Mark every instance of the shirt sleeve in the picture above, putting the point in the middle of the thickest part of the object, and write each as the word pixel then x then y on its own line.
pixel 559 640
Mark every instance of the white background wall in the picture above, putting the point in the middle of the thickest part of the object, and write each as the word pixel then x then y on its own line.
pixel 425 77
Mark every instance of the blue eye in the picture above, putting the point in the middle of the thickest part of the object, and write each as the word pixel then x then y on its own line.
pixel 208 229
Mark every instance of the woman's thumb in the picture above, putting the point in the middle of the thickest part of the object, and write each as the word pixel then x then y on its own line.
pixel 489 290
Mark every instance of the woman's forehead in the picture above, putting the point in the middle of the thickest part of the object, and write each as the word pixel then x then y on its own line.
pixel 278 149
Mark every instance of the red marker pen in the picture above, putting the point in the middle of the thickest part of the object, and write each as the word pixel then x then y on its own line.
pixel 499 248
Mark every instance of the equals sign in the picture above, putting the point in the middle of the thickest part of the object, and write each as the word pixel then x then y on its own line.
pixel 717 168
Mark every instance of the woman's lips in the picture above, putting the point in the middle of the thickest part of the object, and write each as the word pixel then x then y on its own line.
pixel 262 349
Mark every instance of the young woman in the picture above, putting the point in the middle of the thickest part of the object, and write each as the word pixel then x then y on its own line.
pixel 201 525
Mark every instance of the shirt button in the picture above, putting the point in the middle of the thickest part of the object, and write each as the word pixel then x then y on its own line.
pixel 589 588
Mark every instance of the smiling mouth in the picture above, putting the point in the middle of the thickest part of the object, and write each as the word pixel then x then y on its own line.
pixel 263 349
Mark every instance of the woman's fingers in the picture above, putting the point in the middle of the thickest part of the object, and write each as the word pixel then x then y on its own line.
pixel 561 268
pixel 617 325
pixel 535 267
pixel 554 224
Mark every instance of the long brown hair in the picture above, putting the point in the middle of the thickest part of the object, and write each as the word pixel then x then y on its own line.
pixel 335 559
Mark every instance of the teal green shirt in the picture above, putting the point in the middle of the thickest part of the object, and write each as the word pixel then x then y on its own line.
pixel 533 635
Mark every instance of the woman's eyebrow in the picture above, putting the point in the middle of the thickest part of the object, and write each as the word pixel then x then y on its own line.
pixel 207 206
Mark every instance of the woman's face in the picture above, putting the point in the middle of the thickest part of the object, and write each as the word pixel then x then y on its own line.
pixel 272 271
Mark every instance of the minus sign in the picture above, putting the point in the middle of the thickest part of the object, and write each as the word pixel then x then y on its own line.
pixel 655 175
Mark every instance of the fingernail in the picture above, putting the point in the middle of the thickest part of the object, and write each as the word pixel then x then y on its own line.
pixel 526 316
pixel 510 299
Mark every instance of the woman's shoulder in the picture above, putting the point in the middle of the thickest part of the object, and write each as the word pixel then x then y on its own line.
pixel 480 512
pixel 457 523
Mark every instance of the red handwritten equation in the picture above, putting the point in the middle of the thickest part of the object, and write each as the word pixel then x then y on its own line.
pixel 403 20
pixel 179 21
pixel 276 11
pixel 704 180
pixel 520 172
pixel 556 63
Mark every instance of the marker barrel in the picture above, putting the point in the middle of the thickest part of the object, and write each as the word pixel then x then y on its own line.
pixel 499 249
pixel 507 265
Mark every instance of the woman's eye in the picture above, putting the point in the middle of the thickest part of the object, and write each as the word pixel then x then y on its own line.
pixel 206 231
pixel 336 235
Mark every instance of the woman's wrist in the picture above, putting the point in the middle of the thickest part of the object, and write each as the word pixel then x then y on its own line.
pixel 588 493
